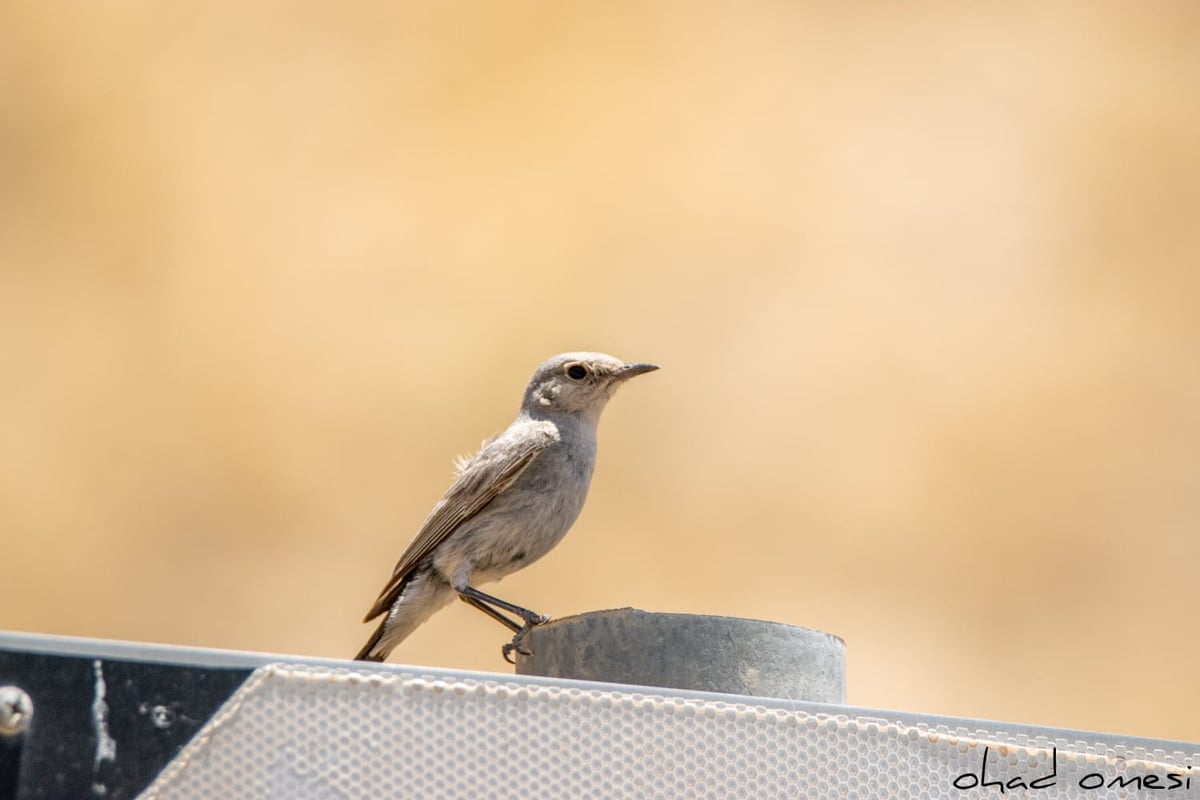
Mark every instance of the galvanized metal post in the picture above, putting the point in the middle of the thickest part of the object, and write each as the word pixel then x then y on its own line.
pixel 690 651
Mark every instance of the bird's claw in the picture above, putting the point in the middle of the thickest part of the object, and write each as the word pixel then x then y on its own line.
pixel 508 649
pixel 518 641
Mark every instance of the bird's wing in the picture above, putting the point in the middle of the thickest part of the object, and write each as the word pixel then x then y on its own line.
pixel 480 481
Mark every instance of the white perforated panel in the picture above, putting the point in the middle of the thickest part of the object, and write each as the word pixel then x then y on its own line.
pixel 310 732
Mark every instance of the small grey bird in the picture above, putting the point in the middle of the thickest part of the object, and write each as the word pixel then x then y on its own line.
pixel 510 504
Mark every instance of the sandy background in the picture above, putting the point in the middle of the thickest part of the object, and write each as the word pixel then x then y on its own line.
pixel 925 286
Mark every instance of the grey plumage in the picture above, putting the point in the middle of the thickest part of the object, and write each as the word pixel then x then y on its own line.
pixel 511 503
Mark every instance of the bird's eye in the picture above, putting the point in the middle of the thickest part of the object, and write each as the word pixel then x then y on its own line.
pixel 577 372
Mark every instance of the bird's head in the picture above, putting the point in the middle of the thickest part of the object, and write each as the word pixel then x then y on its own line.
pixel 578 383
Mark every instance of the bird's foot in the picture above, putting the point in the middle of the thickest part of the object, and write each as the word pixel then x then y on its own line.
pixel 517 644
pixel 514 646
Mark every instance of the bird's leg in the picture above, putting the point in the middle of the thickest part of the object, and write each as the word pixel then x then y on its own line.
pixel 487 603
pixel 491 612
pixel 530 618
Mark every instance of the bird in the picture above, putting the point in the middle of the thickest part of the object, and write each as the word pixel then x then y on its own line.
pixel 509 505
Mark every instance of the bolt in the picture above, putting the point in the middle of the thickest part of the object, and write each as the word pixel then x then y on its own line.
pixel 16 711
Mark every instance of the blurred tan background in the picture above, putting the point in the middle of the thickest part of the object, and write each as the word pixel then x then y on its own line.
pixel 924 284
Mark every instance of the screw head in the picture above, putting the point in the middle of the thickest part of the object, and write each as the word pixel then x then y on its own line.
pixel 16 710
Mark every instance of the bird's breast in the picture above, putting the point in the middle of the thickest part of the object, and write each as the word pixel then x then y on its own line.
pixel 532 516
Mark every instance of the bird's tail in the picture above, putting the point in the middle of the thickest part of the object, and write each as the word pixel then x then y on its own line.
pixel 421 594
pixel 366 654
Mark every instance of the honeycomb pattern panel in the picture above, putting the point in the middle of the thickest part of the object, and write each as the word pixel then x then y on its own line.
pixel 324 733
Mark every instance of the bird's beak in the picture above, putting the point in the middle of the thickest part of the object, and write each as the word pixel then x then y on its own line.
pixel 629 370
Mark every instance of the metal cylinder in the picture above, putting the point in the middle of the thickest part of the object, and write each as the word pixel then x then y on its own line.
pixel 690 651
